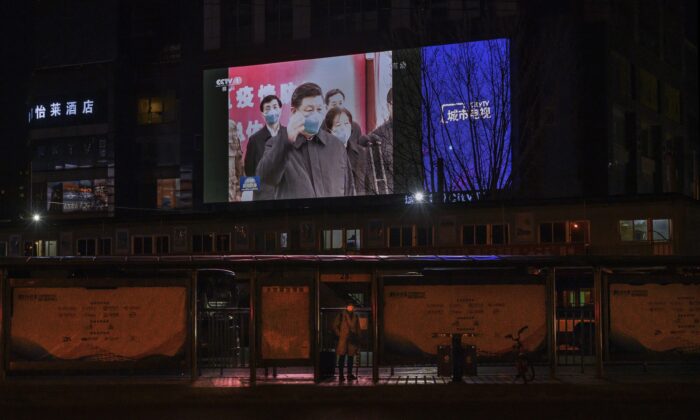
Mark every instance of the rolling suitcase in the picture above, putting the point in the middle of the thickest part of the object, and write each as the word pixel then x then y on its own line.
pixel 327 364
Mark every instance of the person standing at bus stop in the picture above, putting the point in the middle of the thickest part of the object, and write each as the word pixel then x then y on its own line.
pixel 347 327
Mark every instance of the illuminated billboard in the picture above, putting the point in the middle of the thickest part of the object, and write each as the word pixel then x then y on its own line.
pixel 361 124
pixel 87 195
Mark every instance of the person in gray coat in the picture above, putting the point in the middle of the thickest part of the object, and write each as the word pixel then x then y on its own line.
pixel 303 161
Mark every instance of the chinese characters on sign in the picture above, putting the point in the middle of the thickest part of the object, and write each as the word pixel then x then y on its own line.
pixel 477 110
pixel 57 110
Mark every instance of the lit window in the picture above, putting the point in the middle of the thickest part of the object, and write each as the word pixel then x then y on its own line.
pixel 661 230
pixel 640 230
pixel 333 239
pixel 352 239
pixel 168 193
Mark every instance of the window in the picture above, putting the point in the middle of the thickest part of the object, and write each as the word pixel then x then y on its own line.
pixel 202 243
pixel 87 247
pixel 499 234
pixel 661 230
pixel 168 193
pixel 3 249
pixel 284 240
pixel 270 241
pixel 223 242
pixel 150 110
pixel 352 239
pixel 474 234
pixel 648 90
pixel 424 236
pixel 552 232
pixel 163 245
pixel 105 246
pixel 633 230
pixel 142 245
pixel 240 237
pixel 332 239
pixel 579 232
pixel 401 236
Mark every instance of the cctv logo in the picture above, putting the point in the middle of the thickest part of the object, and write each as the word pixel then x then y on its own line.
pixel 226 84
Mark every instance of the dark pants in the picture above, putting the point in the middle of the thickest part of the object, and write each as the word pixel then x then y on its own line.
pixel 341 363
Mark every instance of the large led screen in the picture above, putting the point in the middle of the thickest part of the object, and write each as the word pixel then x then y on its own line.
pixel 361 124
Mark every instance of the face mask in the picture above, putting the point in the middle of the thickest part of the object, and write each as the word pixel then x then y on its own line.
pixel 312 123
pixel 343 133
pixel 272 116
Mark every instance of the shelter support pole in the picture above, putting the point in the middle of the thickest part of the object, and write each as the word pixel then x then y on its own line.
pixel 551 313
pixel 252 330
pixel 598 293
pixel 375 328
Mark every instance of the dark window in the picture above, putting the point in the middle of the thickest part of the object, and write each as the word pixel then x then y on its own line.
pixel 259 241
pixel 106 246
pixel 468 235
pixel 406 236
pixel 480 235
pixel 87 247
pixel 163 245
pixel 559 232
pixel 223 243
pixel 208 242
pixel 424 236
pixel 196 243
pixel 143 245
pixel 270 241
pixel 240 237
pixel 499 234
pixel 553 232
pixel 394 237
pixel 546 233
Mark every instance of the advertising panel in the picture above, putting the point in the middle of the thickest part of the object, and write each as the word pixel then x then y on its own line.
pixel 286 332
pixel 79 324
pixel 78 196
pixel 360 124
pixel 413 315
pixel 654 321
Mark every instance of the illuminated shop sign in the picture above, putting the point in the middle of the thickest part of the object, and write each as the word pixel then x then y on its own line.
pixel 65 111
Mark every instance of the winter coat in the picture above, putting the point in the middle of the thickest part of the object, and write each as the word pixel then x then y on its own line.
pixel 347 328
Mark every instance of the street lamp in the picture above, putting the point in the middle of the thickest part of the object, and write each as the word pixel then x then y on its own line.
pixel 36 217
pixel 419 197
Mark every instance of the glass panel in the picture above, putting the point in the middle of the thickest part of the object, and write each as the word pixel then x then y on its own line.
pixel 545 232
pixel 196 243
pixel 407 236
pixel 148 245
pixel 578 232
pixel 353 239
pixel 283 240
pixel 337 239
pixel 468 235
pixel 395 236
pixel 326 239
pixel 661 229
pixel 498 234
pixel 559 232
pixel 640 230
pixel 626 230
pixel 207 242
pixel 481 234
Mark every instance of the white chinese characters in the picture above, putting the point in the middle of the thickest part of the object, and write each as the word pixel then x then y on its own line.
pixel 476 110
pixel 56 110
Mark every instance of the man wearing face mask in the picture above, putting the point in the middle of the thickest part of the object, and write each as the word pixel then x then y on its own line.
pixel 303 161
pixel 339 122
pixel 271 109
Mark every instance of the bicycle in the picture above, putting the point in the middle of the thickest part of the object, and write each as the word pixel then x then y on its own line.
pixel 525 369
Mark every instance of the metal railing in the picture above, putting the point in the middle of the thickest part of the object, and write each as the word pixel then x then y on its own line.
pixel 223 338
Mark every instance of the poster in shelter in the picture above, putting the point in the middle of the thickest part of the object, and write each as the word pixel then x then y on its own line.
pixel 413 314
pixel 655 321
pixel 80 324
pixel 286 331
